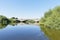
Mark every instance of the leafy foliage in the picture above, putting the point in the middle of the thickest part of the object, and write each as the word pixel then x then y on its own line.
pixel 51 18
pixel 4 20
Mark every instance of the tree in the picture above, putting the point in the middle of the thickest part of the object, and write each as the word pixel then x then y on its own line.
pixel 50 23
pixel 51 18
pixel 4 20
pixel 14 20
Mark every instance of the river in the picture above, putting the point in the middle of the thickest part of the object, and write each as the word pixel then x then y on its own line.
pixel 22 32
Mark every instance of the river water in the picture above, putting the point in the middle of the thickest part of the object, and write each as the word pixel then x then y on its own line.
pixel 22 32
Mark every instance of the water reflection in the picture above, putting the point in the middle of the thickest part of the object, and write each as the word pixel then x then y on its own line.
pixel 22 32
pixel 5 25
pixel 53 34
pixel 13 24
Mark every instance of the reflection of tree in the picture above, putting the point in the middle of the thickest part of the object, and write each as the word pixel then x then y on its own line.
pixel 3 25
pixel 52 34
pixel 13 24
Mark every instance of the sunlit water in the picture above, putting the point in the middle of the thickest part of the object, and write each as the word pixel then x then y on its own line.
pixel 22 32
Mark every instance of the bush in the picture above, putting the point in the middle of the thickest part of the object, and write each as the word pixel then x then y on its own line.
pixel 51 18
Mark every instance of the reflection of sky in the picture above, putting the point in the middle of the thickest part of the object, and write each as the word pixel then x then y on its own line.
pixel 26 8
pixel 25 32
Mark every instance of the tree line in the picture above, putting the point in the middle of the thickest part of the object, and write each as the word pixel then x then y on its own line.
pixel 5 20
pixel 51 18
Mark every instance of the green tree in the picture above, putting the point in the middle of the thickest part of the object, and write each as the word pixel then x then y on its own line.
pixel 14 20
pixel 4 20
pixel 51 18
pixel 50 23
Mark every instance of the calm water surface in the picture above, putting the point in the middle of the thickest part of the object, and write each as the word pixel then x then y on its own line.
pixel 22 32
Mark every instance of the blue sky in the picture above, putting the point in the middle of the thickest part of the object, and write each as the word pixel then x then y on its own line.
pixel 26 8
